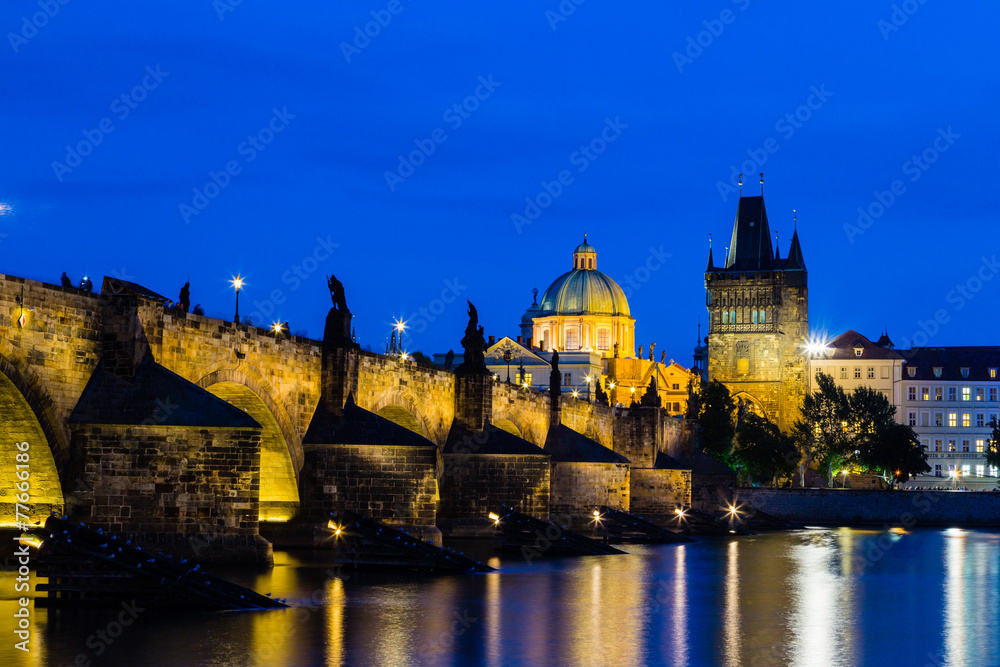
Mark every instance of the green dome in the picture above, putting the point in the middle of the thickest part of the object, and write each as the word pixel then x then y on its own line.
pixel 585 247
pixel 584 292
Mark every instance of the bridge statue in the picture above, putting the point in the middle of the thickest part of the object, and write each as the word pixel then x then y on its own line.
pixel 474 343
pixel 338 320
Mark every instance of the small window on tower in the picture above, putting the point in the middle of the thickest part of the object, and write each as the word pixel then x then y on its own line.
pixel 590 263
pixel 763 317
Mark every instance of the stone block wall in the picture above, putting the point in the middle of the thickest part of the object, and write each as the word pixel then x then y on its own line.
pixel 850 507
pixel 188 490
pixel 712 493
pixel 473 485
pixel 657 493
pixel 393 484
pixel 578 488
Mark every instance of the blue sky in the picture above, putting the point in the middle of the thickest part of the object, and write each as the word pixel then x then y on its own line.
pixel 257 137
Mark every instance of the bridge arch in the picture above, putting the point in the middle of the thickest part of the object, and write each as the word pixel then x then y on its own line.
pixel 399 407
pixel 516 419
pixel 751 403
pixel 281 449
pixel 27 419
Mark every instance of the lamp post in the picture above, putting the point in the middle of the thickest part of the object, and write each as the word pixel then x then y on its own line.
pixel 277 328
pixel 588 380
pixel 237 284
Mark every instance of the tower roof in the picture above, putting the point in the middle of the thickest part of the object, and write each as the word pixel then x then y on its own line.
pixel 795 261
pixel 750 249
pixel 585 247
pixel 584 290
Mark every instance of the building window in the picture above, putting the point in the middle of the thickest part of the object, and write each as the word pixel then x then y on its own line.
pixel 937 470
pixel 980 419
pixel 912 393
pixel 966 393
pixel 993 373
pixel 980 393
pixel 753 317
pixel 857 372
pixel 871 372
pixel 676 386
pixel 924 417
pixel 966 419
pixel 732 317
pixel 763 317
pixel 952 393
pixel 951 444
pixel 925 393
pixel 937 371
pixel 590 263
pixel 993 471
pixel 843 372
pixel 939 419
pixel 952 419
pixel 980 470
pixel 885 372
pixel 993 394
pixel 567 377
pixel 572 339
pixel 965 372
pixel 911 418
pixel 603 339
pixel 858 351
pixel 938 393
pixel 937 445
pixel 912 371
pixel 965 469
pixel 965 445
pixel 523 379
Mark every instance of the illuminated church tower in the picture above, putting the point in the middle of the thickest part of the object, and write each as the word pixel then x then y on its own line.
pixel 758 306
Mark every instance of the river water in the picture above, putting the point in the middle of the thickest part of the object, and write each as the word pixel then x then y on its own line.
pixel 836 596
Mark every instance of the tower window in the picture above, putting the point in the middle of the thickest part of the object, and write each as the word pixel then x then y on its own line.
pixel 725 317
pixel 590 262
pixel 572 338
pixel 732 317
pixel 603 339
pixel 754 317
pixel 567 377
pixel 763 317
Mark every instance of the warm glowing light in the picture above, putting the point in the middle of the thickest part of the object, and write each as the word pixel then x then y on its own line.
pixel 400 325
pixel 30 540
pixel 402 356
pixel 597 515
pixel 576 394
pixel 277 327
pixel 679 512
pixel 525 385
pixel 734 510
pixel 494 516
pixel 588 379
pixel 631 390
pixel 237 283
pixel 611 385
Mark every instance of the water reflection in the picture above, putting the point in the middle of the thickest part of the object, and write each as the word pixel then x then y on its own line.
pixel 679 654
pixel 733 641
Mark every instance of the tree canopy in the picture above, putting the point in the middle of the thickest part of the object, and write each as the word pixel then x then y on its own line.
pixel 716 417
pixel 762 451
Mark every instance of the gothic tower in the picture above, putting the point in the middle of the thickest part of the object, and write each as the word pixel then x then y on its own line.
pixel 758 308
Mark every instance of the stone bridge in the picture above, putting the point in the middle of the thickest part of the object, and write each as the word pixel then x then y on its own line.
pixel 53 338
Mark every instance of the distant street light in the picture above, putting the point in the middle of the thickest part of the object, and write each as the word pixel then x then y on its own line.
pixel 237 284
pixel 277 328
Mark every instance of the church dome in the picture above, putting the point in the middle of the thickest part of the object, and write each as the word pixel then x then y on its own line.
pixel 584 290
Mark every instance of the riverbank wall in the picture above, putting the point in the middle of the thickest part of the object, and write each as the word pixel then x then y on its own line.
pixel 863 507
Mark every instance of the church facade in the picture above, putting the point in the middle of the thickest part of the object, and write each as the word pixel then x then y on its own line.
pixel 758 307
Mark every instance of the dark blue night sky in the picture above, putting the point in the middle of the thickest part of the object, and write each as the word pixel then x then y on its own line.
pixel 834 103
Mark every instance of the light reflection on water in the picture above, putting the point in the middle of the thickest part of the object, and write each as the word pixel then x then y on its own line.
pixel 819 597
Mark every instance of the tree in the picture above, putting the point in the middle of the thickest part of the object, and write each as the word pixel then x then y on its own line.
pixel 422 358
pixel 993 446
pixel 821 433
pixel 651 397
pixel 871 413
pixel 894 452
pixel 716 417
pixel 762 451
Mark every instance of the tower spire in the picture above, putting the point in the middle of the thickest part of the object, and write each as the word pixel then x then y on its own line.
pixel 711 264
pixel 761 184
pixel 741 185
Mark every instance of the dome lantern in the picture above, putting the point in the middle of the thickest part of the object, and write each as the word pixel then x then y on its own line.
pixel 585 256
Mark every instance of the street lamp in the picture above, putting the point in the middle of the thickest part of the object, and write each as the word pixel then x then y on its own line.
pixel 588 380
pixel 277 328
pixel 237 284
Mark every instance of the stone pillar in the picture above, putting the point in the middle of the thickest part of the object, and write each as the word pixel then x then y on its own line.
pixel 123 343
pixel 473 398
pixel 340 361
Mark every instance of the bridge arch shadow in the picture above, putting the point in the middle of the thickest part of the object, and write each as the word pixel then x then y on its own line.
pixel 400 408
pixel 26 418
pixel 281 449
pixel 513 422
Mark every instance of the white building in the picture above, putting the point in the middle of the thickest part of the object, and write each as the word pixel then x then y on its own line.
pixel 854 361
pixel 949 397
